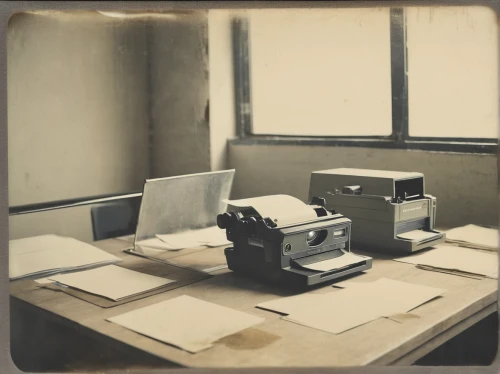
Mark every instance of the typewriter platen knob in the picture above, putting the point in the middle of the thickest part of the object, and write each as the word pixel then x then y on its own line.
pixel 319 201
pixel 224 220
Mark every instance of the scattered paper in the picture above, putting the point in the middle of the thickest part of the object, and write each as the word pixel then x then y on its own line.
pixel 44 281
pixel 336 263
pixel 207 260
pixel 454 258
pixel 474 236
pixel 403 317
pixel 185 322
pixel 112 282
pixel 355 305
pixel 156 245
pixel 51 254
pixel 127 238
pixel 452 272
pixel 287 305
pixel 282 209
pixel 209 236
pixel 417 235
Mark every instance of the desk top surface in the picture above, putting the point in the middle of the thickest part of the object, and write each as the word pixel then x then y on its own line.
pixel 275 342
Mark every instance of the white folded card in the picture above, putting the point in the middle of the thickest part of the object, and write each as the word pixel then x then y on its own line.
pixel 112 282
pixel 51 254
pixel 185 322
pixel 282 209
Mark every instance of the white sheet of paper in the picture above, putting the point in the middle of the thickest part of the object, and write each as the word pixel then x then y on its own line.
pixel 417 235
pixel 456 258
pixel 185 322
pixel 49 254
pixel 210 236
pixel 474 236
pixel 179 240
pixel 282 209
pixel 157 245
pixel 287 305
pixel 357 304
pixel 127 238
pixel 346 259
pixel 111 281
pixel 44 281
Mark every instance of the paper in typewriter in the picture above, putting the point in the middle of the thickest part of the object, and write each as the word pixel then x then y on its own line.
pixel 51 254
pixel 474 237
pixel 355 305
pixel 112 282
pixel 186 322
pixel 282 209
pixel 459 259
pixel 337 263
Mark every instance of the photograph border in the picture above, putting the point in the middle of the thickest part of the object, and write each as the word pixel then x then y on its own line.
pixel 9 8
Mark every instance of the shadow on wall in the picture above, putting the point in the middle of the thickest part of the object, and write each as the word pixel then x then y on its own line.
pixel 125 103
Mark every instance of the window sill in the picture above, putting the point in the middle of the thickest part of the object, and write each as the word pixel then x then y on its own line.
pixel 478 146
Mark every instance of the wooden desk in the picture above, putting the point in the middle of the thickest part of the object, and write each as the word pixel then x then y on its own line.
pixel 277 342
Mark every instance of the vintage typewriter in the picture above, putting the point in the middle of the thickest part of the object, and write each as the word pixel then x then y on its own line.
pixel 299 254
pixel 389 210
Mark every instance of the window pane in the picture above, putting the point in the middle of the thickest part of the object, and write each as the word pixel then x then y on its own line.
pixel 452 72
pixel 320 71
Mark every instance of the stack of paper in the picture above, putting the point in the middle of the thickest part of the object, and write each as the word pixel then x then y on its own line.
pixel 359 303
pixel 282 209
pixel 209 236
pixel 418 235
pixel 112 282
pixel 474 237
pixel 185 322
pixel 336 263
pixel 51 254
pixel 457 260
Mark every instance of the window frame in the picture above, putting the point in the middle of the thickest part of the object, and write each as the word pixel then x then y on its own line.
pixel 399 139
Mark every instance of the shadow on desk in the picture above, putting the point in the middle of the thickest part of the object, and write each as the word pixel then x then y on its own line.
pixel 476 346
pixel 67 349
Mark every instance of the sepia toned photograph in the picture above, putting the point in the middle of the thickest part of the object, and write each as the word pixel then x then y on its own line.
pixel 250 186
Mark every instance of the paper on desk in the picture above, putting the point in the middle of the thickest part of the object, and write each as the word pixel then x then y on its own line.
pixel 417 235
pixel 452 272
pixel 287 305
pixel 185 322
pixel 112 282
pixel 474 236
pixel 461 259
pixel 50 254
pixel 357 304
pixel 209 236
pixel 127 238
pixel 156 245
pixel 282 209
pixel 340 262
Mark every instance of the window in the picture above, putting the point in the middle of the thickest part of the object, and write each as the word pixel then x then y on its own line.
pixel 320 71
pixel 452 72
pixel 418 78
